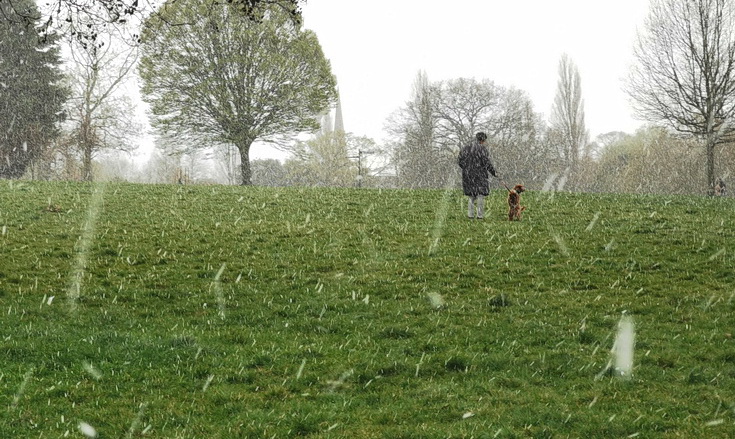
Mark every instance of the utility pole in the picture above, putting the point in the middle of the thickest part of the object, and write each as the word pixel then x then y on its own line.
pixel 359 164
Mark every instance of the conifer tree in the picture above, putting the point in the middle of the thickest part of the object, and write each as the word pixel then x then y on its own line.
pixel 31 94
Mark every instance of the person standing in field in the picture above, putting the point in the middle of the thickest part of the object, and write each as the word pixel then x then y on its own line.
pixel 474 159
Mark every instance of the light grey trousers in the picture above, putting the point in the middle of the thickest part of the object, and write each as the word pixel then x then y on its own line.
pixel 476 202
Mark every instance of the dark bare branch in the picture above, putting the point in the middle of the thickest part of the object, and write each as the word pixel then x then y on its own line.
pixel 685 72
pixel 86 20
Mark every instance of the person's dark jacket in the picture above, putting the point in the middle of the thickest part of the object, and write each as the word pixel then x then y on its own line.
pixel 474 160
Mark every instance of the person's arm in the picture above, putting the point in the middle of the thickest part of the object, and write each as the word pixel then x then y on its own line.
pixel 490 167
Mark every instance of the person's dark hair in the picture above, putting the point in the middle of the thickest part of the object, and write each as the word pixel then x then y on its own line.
pixel 481 137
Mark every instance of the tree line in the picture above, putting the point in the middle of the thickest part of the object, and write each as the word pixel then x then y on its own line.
pixel 221 76
pixel 241 71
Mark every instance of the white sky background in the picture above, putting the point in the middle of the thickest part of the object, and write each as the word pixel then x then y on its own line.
pixel 377 48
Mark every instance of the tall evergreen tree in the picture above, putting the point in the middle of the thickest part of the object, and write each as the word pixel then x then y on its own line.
pixel 31 95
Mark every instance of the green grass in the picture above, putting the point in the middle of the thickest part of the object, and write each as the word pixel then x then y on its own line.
pixel 227 312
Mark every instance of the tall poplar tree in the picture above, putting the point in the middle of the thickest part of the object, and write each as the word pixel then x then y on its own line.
pixel 567 114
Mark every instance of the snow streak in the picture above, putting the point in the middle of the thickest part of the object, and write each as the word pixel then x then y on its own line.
pixel 82 248
pixel 217 285
pixel 441 216
pixel 621 358
pixel 624 347
pixel 22 388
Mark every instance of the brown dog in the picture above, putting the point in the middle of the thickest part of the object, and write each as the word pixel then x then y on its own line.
pixel 514 202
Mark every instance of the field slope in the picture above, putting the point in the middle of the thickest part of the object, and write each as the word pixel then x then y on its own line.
pixel 168 311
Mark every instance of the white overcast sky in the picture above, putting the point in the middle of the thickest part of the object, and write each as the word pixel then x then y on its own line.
pixel 377 47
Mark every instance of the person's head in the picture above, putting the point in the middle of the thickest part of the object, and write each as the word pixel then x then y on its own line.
pixel 481 137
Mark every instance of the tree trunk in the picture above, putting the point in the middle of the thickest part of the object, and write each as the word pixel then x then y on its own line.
pixel 711 141
pixel 245 170
pixel 86 163
pixel 86 145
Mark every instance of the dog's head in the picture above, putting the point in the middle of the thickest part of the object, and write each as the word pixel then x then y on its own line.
pixel 519 188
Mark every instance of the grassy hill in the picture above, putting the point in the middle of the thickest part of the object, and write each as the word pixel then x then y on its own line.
pixel 223 312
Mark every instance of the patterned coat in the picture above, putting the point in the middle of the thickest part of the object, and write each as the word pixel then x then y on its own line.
pixel 474 159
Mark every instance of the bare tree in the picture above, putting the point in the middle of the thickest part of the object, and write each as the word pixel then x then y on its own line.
pixel 185 158
pixel 653 160
pixel 102 117
pixel 114 167
pixel 517 140
pixel 60 161
pixel 371 160
pixel 440 117
pixel 567 115
pixel 227 162
pixel 269 172
pixel 465 106
pixel 323 161
pixel 416 154
pixel 685 72
pixel 443 116
pixel 161 168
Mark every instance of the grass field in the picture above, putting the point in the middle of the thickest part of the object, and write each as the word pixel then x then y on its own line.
pixel 168 311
